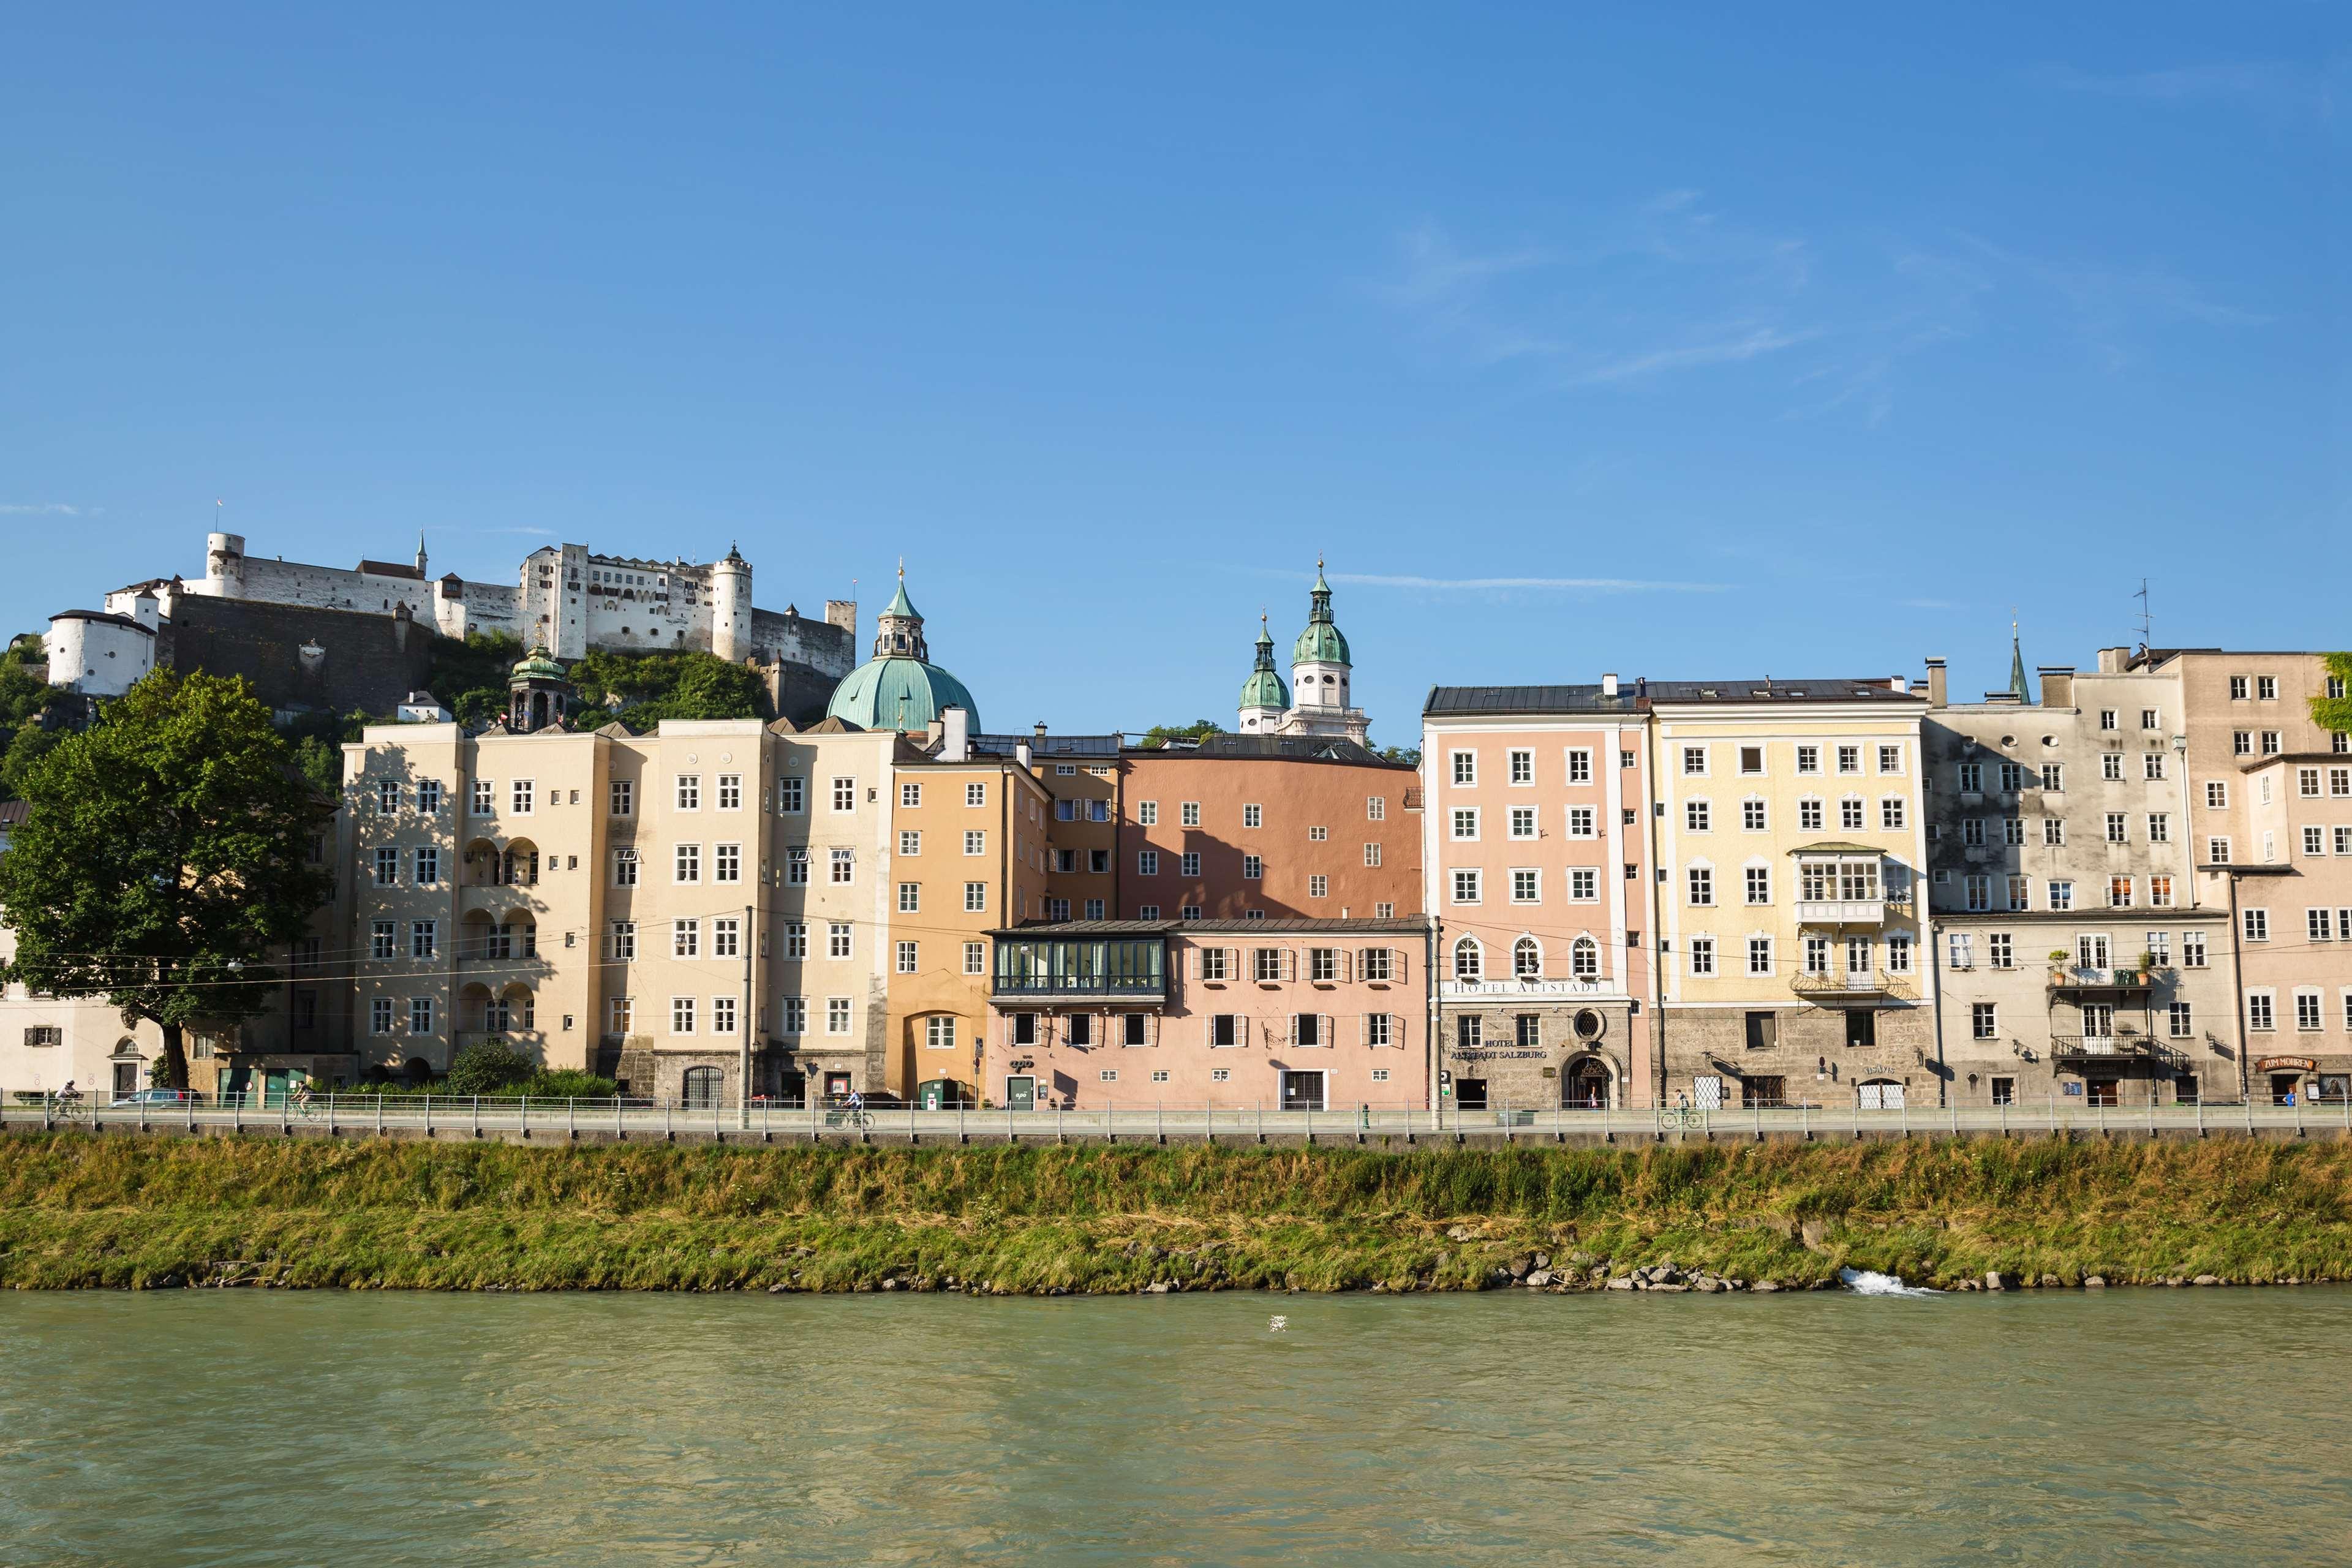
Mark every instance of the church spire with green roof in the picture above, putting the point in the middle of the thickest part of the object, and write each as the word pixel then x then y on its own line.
pixel 2017 682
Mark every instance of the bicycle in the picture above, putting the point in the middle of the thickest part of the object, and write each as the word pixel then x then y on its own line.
pixel 65 1107
pixel 1682 1119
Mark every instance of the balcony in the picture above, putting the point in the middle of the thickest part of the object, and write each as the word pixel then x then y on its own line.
pixel 1065 968
pixel 1842 912
pixel 1854 985
pixel 2084 977
pixel 2121 1050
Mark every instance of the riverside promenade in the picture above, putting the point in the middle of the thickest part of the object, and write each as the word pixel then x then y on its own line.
pixel 519 1120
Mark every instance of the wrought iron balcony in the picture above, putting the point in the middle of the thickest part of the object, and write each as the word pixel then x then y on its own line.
pixel 2119 1048
pixel 2084 977
pixel 1853 985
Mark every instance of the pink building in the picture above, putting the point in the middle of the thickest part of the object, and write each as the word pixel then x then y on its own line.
pixel 1290 1015
pixel 1537 852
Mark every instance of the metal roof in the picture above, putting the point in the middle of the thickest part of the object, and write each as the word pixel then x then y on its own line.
pixel 1466 699
pixel 1769 689
pixel 1407 925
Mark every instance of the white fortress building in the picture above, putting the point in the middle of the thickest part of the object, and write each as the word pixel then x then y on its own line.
pixel 565 597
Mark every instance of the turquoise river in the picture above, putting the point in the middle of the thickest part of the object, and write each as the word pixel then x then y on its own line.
pixel 281 1428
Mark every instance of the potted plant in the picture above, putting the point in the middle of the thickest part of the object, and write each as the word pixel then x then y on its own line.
pixel 2058 957
pixel 2146 966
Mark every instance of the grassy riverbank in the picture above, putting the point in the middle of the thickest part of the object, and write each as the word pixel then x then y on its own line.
pixel 78 1211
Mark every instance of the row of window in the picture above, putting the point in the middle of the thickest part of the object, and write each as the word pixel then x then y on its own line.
pixel 2092 949
pixel 1849 880
pixel 2319 924
pixel 2310 1009
pixel 1468 884
pixel 1147 815
pixel 1519 765
pixel 2124 892
pixel 1220 1031
pixel 1817 956
pixel 791 795
pixel 1322 964
pixel 2098 1021
pixel 1526 959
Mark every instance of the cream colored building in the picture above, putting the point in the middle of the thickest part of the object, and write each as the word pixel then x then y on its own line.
pixel 2076 962
pixel 635 906
pixel 1788 839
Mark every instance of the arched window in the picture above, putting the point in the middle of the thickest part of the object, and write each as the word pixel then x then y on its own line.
pixel 1584 959
pixel 702 1087
pixel 1469 960
pixel 1526 959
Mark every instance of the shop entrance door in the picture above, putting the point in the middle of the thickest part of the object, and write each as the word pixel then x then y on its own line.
pixel 1021 1092
pixel 1302 1091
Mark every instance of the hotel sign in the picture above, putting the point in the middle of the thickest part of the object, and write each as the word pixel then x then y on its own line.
pixel 1478 1055
pixel 1463 990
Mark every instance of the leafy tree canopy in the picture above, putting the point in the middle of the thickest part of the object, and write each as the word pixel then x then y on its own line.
pixel 1409 755
pixel 1158 735
pixel 2335 712
pixel 645 689
pixel 166 861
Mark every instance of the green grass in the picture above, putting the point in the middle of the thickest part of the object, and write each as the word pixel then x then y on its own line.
pixel 125 1211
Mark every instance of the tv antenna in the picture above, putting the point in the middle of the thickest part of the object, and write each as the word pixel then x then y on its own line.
pixel 2145 620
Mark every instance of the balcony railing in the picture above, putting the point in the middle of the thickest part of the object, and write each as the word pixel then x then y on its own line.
pixel 2085 977
pixel 1842 912
pixel 1850 984
pixel 2120 1049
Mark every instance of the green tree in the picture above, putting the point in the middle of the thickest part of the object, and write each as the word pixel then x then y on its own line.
pixel 2335 712
pixel 1158 735
pixel 165 859
pixel 1409 755
pixel 489 1066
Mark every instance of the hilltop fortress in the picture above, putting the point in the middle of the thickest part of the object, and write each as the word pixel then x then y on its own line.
pixel 564 596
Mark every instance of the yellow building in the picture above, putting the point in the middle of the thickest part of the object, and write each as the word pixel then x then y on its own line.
pixel 1790 835
pixel 968 834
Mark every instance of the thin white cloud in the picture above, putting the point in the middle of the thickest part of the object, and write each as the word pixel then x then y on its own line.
pixel 1595 584
pixel 2271 84
pixel 1745 346
pixel 39 508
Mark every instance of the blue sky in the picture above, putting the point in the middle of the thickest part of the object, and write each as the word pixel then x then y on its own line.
pixel 1666 342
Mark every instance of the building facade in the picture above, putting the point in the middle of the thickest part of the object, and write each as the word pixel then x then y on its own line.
pixel 1790 839
pixel 2075 961
pixel 2270 799
pixel 1266 827
pixel 1249 1016
pixel 644 907
pixel 1537 848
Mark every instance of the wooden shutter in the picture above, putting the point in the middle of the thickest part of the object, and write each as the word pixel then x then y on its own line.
pixel 1343 965
pixel 1289 962
pixel 1396 965
pixel 1325 1033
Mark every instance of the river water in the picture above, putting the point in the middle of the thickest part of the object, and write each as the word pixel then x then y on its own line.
pixel 281 1428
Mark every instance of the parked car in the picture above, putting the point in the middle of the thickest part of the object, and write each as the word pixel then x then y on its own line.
pixel 154 1097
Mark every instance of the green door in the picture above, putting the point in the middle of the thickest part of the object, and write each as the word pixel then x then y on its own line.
pixel 1021 1092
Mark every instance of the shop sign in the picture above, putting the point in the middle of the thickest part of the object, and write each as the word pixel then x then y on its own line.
pixel 1486 1056
pixel 2285 1064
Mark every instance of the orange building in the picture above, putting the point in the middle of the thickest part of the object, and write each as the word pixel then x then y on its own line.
pixel 1266 826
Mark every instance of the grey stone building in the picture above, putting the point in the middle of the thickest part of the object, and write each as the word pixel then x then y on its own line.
pixel 2074 964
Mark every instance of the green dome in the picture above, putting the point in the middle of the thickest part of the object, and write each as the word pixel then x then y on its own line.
pixel 1320 643
pixel 1263 688
pixel 537 663
pixel 903 694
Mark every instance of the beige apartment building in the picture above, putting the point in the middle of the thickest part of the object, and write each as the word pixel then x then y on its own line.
pixel 1789 842
pixel 644 907
pixel 2271 800
pixel 2076 963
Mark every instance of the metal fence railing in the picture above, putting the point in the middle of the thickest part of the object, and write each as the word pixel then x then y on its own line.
pixel 774 1119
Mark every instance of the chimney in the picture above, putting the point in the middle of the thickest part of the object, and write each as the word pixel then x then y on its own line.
pixel 1609 684
pixel 1041 731
pixel 955 735
pixel 1021 753
pixel 2057 685
pixel 1936 687
pixel 1898 684
pixel 2111 660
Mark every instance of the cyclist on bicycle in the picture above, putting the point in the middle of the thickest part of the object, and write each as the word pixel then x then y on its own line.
pixel 69 1098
